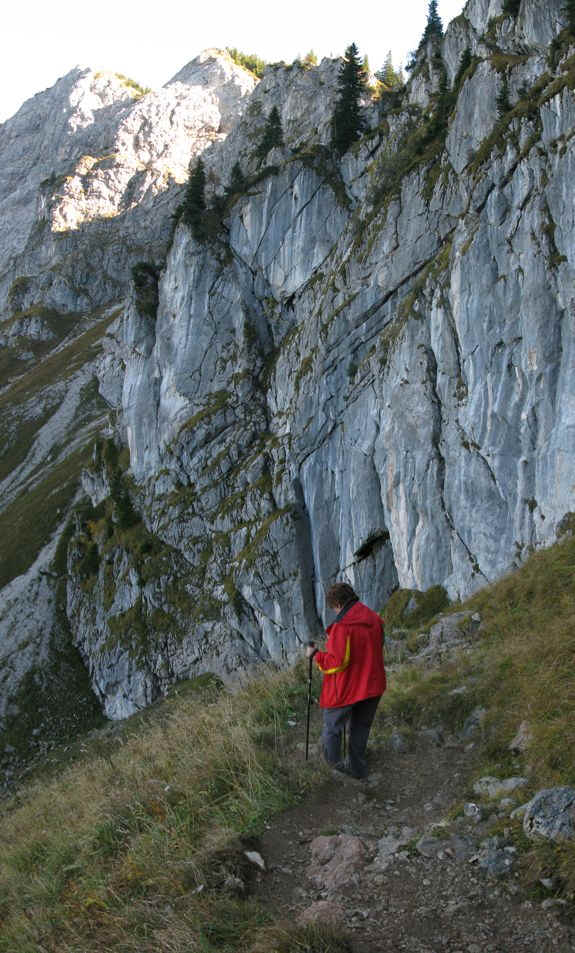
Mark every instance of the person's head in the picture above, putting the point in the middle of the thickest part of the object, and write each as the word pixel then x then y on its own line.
pixel 338 595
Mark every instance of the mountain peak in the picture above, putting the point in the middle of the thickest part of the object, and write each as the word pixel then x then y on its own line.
pixel 216 68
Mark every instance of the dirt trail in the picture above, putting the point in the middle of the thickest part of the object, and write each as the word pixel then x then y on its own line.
pixel 405 900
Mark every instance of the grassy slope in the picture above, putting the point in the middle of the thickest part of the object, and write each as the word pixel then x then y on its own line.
pixel 22 353
pixel 115 848
pixel 28 522
pixel 110 855
pixel 521 670
pixel 34 385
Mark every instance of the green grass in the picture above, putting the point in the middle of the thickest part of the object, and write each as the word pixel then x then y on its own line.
pixel 135 89
pixel 11 363
pixel 424 607
pixel 311 938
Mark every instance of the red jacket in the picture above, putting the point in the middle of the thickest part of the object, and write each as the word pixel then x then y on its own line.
pixel 352 663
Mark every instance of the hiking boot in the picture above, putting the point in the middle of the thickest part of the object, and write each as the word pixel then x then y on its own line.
pixel 341 768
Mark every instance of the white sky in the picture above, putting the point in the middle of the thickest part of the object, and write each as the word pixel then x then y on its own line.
pixel 43 40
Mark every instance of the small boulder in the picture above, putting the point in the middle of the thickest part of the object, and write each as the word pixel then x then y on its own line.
pixel 454 847
pixel 473 722
pixel 551 814
pixel 495 859
pixel 522 739
pixel 336 861
pixel 398 742
pixel 495 787
pixel 433 736
pixel 462 848
pixel 473 810
pixel 390 844
pixel 256 858
pixel 429 846
pixel 451 631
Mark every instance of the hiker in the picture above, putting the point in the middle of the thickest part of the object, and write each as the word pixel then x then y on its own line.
pixel 353 678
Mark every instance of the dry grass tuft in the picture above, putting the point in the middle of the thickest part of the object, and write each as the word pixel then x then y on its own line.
pixel 311 938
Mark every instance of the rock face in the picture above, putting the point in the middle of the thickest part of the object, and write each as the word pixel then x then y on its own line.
pixel 90 174
pixel 359 368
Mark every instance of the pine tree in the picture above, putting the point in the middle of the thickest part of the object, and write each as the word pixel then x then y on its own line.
pixel 387 72
pixel 502 98
pixel 464 64
pixel 388 75
pixel 273 135
pixel 511 7
pixel 194 205
pixel 444 104
pixel 569 11
pixel 348 121
pixel 434 26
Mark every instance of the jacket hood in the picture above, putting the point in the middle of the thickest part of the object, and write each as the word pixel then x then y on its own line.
pixel 357 614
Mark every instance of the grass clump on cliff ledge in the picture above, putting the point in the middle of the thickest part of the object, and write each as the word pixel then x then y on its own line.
pixel 134 88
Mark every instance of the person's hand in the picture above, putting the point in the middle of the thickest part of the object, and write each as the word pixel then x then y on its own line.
pixel 310 650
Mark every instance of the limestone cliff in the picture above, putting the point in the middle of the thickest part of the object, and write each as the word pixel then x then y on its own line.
pixel 364 368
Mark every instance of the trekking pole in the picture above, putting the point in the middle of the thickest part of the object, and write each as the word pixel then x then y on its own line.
pixel 308 704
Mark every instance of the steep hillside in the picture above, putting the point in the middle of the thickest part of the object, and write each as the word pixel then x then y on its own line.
pixel 353 366
pixel 198 825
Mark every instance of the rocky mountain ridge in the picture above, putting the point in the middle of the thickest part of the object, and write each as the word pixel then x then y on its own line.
pixel 364 369
pixel 95 149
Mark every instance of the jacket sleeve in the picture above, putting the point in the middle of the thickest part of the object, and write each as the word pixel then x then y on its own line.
pixel 337 653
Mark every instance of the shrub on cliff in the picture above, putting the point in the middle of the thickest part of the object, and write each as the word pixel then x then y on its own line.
pixel 249 61
pixel 194 204
pixel 273 135
pixel 238 181
pixel 145 279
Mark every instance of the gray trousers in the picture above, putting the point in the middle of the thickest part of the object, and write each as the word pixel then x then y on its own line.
pixel 359 717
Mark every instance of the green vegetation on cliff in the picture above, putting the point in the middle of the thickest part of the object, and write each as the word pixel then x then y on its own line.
pixel 272 135
pixel 249 61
